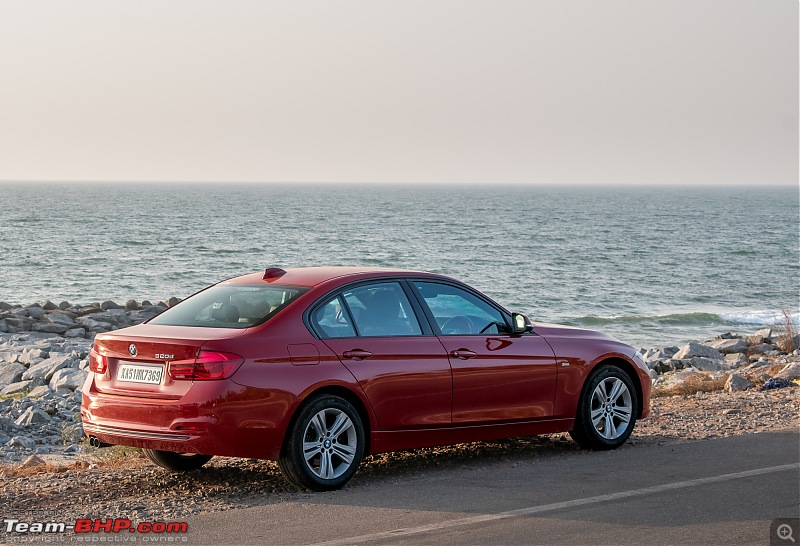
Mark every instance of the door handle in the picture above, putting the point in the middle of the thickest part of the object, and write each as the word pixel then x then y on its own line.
pixel 463 354
pixel 357 354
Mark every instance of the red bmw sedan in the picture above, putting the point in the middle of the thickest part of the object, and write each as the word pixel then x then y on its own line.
pixel 317 367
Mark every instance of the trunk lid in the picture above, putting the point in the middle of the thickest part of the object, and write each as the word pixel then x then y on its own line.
pixel 137 358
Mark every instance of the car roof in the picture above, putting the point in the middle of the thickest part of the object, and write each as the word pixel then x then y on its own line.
pixel 312 276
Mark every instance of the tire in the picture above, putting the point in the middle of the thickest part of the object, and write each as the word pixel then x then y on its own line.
pixel 324 444
pixel 606 410
pixel 178 462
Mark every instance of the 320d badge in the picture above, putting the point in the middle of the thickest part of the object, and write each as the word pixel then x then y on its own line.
pixel 316 367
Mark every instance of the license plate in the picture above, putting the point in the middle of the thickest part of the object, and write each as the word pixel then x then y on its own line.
pixel 136 373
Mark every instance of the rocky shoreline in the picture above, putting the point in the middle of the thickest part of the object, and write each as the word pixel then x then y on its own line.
pixel 44 352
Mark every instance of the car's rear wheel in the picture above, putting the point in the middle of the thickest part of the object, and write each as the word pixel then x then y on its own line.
pixel 324 446
pixel 606 410
pixel 177 461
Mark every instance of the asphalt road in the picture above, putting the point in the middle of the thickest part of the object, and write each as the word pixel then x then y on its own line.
pixel 723 491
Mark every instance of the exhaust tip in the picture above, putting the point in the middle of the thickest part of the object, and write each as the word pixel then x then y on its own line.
pixel 94 441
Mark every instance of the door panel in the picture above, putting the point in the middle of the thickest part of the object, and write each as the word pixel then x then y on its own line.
pixel 406 379
pixel 509 378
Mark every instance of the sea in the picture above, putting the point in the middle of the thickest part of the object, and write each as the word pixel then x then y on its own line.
pixel 650 265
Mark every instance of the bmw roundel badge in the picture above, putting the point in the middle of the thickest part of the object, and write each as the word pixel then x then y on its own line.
pixel 132 349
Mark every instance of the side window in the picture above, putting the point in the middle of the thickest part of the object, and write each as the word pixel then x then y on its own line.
pixel 457 312
pixel 382 309
pixel 332 321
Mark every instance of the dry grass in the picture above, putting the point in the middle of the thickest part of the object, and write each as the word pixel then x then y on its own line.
pixel 19 471
pixel 787 340
pixel 691 385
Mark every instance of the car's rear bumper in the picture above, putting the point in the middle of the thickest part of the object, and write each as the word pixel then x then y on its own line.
pixel 212 418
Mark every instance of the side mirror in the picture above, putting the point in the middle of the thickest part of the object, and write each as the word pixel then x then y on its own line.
pixel 520 324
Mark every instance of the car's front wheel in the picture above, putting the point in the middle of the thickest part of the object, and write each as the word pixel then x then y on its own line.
pixel 177 461
pixel 606 410
pixel 324 446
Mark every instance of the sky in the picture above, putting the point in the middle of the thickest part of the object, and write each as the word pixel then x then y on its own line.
pixel 455 91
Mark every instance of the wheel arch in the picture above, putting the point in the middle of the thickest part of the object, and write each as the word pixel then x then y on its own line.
pixel 341 392
pixel 630 371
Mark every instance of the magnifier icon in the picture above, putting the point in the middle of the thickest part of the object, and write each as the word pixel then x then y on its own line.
pixel 785 532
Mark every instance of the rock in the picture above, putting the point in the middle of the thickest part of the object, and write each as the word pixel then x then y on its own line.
pixel 45 369
pixel 761 336
pixel 75 332
pixel 68 378
pixel 94 325
pixel 48 305
pixel 146 303
pixel 51 328
pixel 64 305
pixel 39 391
pixel 761 348
pixel 61 318
pixel 765 333
pixel 16 388
pixel 172 302
pixel 693 349
pixel 706 364
pixel 36 312
pixel 3 327
pixel 4 306
pixel 21 441
pixel 131 305
pixel 34 355
pixel 32 416
pixel 736 382
pixel 10 373
pixel 728 346
pixel 108 304
pixel 736 360
pixel 790 372
pixel 32 462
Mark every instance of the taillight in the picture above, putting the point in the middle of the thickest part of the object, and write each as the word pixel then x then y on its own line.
pixel 97 362
pixel 208 366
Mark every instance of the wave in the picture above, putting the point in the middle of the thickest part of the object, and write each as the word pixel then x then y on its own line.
pixel 750 318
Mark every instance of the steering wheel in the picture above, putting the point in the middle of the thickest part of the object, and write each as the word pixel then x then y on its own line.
pixel 458 325
pixel 500 327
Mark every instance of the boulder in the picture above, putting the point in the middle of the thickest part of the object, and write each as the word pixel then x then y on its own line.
pixel 21 441
pixel 39 391
pixel 45 369
pixel 761 348
pixel 108 304
pixel 693 349
pixel 736 382
pixel 75 332
pixel 34 355
pixel 172 302
pixel 64 305
pixel 761 336
pixel 736 360
pixel 131 305
pixel 10 373
pixel 32 416
pixel 48 305
pixel 61 318
pixel 36 312
pixel 50 328
pixel 93 325
pixel 68 378
pixel 706 364
pixel 728 346
pixel 790 372
pixel 18 387
pixel 4 306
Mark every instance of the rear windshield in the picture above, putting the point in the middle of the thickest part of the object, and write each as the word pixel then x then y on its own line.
pixel 230 306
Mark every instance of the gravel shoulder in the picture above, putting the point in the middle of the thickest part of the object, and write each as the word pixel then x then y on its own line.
pixel 109 483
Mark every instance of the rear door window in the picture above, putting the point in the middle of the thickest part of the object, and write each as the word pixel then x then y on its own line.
pixel 382 310
pixel 332 320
